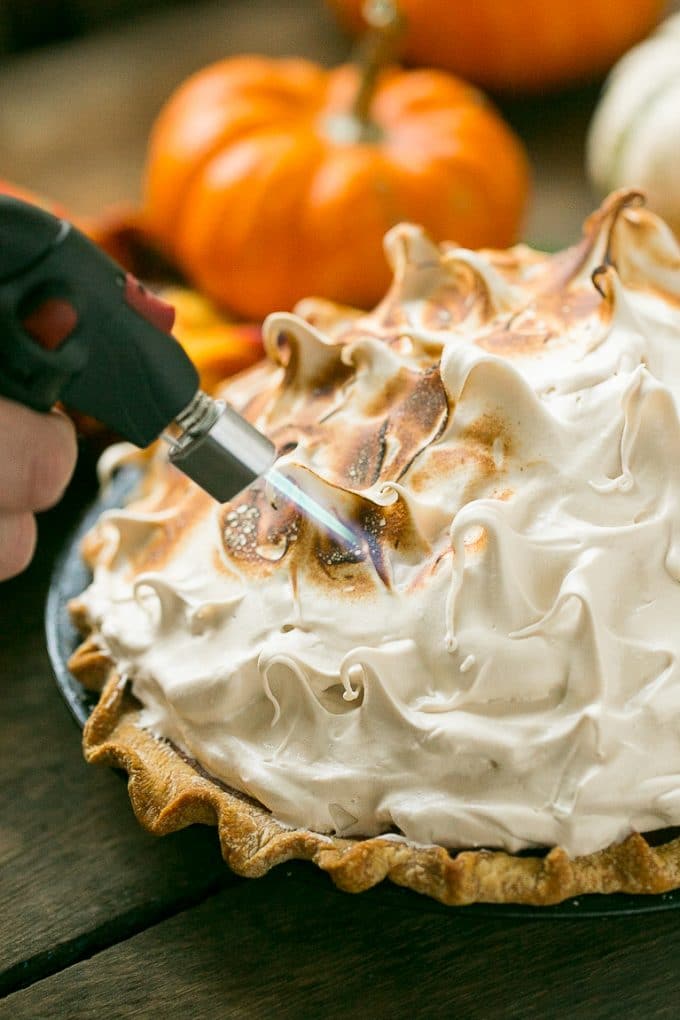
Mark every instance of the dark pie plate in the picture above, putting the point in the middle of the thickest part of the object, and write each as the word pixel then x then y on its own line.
pixel 71 576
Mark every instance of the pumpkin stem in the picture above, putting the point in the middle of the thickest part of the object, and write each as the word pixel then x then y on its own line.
pixel 386 25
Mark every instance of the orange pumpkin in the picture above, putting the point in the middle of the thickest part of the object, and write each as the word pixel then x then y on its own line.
pixel 264 187
pixel 522 45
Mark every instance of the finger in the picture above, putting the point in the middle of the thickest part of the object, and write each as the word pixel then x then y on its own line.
pixel 17 543
pixel 37 456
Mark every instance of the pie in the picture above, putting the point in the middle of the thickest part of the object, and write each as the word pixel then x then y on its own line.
pixel 479 697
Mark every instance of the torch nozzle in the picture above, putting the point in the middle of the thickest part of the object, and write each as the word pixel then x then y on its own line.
pixel 217 448
pixel 223 453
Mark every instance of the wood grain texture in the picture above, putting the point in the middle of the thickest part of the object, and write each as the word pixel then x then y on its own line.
pixel 290 945
pixel 74 863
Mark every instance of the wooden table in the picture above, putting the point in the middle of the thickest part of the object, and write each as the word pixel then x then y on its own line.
pixel 97 917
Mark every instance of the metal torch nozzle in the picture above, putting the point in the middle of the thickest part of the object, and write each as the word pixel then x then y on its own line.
pixel 217 448
pixel 223 453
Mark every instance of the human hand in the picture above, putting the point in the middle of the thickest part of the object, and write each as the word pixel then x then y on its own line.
pixel 37 457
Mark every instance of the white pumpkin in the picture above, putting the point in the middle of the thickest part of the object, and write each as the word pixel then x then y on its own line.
pixel 634 137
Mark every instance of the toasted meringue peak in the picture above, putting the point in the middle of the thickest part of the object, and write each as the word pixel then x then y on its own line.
pixel 495 661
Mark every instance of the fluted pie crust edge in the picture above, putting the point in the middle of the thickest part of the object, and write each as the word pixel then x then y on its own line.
pixel 169 792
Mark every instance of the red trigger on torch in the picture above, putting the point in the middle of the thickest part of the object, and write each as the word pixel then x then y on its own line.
pixel 51 323
pixel 150 307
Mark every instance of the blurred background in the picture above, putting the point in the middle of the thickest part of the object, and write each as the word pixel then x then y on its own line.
pixel 24 26
pixel 81 82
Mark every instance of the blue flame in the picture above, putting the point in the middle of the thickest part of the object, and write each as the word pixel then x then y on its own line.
pixel 311 508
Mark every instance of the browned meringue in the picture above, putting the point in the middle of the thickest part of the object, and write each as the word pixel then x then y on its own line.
pixel 495 663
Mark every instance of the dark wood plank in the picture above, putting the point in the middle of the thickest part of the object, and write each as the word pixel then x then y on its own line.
pixel 75 864
pixel 290 945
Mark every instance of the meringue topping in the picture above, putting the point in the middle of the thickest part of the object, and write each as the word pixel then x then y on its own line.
pixel 495 662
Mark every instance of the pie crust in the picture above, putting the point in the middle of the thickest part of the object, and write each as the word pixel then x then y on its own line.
pixel 169 792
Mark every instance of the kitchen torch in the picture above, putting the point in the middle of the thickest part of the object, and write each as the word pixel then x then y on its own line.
pixel 76 328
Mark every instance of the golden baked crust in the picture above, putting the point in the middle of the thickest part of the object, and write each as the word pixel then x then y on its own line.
pixel 168 792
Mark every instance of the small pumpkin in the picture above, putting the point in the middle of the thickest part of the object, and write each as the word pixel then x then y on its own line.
pixel 634 137
pixel 508 45
pixel 266 183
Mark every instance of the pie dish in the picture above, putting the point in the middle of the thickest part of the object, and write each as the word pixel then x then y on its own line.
pixel 473 700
